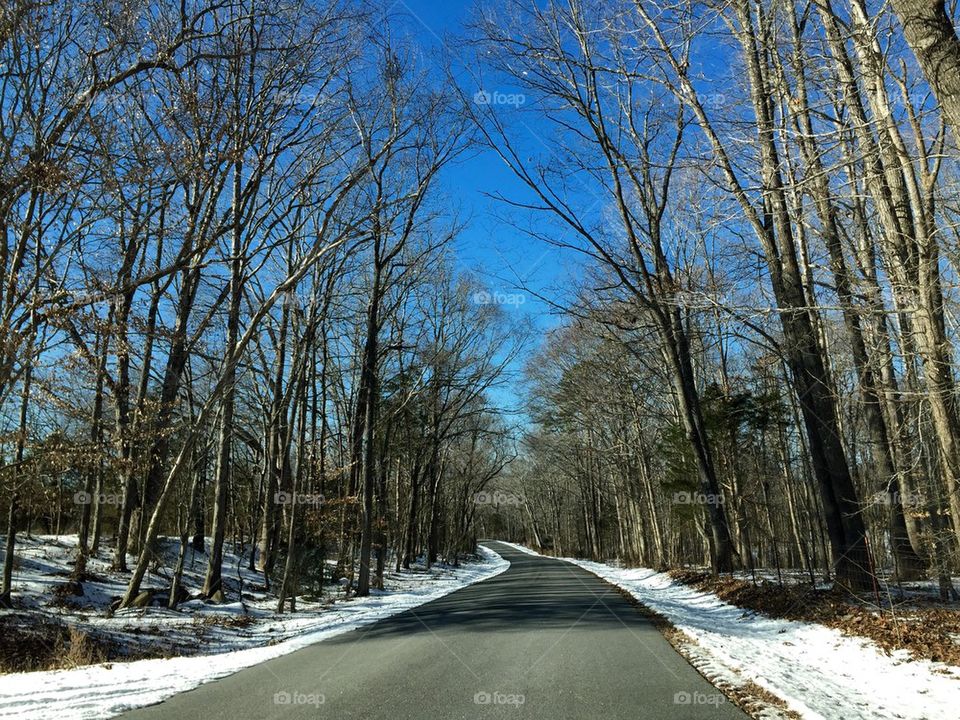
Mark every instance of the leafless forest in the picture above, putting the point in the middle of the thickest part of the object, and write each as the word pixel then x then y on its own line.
pixel 759 371
pixel 231 309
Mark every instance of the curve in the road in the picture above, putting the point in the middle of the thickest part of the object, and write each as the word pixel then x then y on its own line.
pixel 543 640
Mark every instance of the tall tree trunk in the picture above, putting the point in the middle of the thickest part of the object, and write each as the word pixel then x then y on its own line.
pixel 96 445
pixel 289 586
pixel 274 462
pixel 368 381
pixel 410 536
pixel 6 588
pixel 129 424
pixel 721 543
pixel 908 561
pixel 933 38
pixel 213 582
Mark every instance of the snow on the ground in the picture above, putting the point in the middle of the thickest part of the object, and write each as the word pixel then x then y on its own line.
pixel 195 627
pixel 818 671
pixel 521 548
pixel 99 691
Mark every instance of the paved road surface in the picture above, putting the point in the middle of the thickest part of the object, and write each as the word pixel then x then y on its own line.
pixel 543 640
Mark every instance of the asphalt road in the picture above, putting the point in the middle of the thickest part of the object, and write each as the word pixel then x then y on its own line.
pixel 544 640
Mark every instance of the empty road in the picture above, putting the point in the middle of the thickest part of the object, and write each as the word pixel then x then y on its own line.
pixel 544 640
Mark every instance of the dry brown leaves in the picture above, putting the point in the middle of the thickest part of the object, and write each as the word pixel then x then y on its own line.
pixel 924 632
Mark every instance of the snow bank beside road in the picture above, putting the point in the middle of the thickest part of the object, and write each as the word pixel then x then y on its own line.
pixel 819 672
pixel 99 691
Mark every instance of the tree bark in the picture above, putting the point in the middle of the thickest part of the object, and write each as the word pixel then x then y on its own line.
pixel 933 38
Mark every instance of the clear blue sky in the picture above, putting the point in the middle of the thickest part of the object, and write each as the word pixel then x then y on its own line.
pixel 503 257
